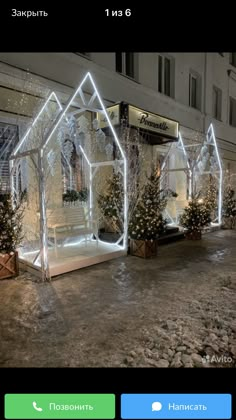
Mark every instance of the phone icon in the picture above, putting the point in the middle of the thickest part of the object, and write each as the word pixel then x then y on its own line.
pixel 36 408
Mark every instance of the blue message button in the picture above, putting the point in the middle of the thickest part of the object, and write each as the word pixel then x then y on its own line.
pixel 176 406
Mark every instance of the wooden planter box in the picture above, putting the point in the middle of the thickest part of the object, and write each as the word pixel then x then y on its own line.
pixel 9 265
pixel 193 235
pixel 143 249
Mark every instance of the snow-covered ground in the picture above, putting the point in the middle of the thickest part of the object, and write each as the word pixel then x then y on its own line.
pixel 177 310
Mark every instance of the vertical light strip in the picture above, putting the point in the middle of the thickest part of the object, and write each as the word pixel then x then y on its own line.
pixel 11 166
pixel 90 192
pixel 44 217
pixel 190 172
pixel 125 164
pixel 163 165
pixel 90 179
pixel 44 253
pixel 211 130
pixel 184 150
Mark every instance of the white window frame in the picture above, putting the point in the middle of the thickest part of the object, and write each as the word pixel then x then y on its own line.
pixel 162 76
pixel 197 77
pixel 123 65
pixel 232 58
pixel 216 102
pixel 232 122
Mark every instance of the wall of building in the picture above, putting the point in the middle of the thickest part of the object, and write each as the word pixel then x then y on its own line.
pixel 62 72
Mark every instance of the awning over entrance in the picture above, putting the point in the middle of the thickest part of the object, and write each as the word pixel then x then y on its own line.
pixel 160 129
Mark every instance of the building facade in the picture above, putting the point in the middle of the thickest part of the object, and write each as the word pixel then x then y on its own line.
pixel 195 89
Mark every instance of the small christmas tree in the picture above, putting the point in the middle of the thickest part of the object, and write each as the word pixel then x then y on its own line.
pixel 195 216
pixel 10 224
pixel 111 202
pixel 147 221
pixel 229 206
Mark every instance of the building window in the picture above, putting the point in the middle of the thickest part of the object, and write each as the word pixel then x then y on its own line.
pixel 232 112
pixel 125 64
pixel 9 137
pixel 232 59
pixel 216 103
pixel 166 75
pixel 195 91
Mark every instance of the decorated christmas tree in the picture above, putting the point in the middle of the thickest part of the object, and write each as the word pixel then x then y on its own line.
pixel 229 206
pixel 210 197
pixel 195 216
pixel 10 224
pixel 147 221
pixel 111 202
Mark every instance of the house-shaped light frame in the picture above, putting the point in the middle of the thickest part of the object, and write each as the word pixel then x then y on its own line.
pixel 210 140
pixel 17 154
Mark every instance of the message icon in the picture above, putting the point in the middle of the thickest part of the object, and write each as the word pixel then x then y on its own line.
pixel 156 406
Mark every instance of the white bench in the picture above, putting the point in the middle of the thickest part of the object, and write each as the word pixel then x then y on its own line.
pixel 66 222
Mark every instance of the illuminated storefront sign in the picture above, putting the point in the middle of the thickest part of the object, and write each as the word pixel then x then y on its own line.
pixel 153 122
pixel 136 117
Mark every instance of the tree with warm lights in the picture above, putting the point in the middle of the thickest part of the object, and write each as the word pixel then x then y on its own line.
pixel 10 224
pixel 111 202
pixel 210 197
pixel 229 207
pixel 195 216
pixel 147 221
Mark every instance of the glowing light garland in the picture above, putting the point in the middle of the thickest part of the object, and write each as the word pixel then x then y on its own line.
pixel 188 165
pixel 63 114
pixel 14 156
pixel 211 134
pixel 90 178
pixel 52 95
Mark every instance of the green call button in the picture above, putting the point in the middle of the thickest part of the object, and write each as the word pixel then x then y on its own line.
pixel 59 406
